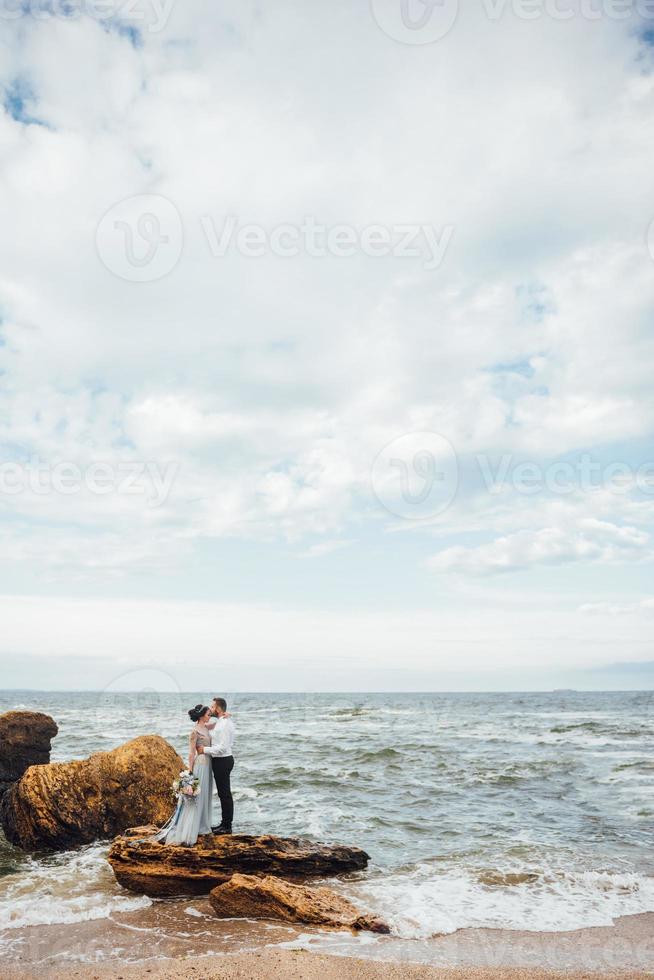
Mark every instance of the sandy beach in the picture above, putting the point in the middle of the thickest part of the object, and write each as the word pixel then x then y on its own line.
pixel 301 965
pixel 241 949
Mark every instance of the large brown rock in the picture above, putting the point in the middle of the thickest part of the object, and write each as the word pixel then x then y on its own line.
pixel 251 897
pixel 151 868
pixel 68 803
pixel 25 738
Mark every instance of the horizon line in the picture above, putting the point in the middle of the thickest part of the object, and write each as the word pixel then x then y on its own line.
pixel 547 690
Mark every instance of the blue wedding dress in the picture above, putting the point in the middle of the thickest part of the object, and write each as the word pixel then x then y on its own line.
pixel 192 818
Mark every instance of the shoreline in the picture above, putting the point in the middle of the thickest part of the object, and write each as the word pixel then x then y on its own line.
pixel 300 964
pixel 176 940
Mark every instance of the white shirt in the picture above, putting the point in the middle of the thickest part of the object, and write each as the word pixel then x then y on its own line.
pixel 223 735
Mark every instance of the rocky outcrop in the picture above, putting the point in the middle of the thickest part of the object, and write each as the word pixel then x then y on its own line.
pixel 25 738
pixel 68 803
pixel 150 868
pixel 251 897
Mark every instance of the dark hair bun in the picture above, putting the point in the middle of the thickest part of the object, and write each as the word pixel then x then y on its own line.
pixel 196 713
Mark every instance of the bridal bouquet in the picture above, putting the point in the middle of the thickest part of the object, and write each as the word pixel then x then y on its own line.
pixel 187 786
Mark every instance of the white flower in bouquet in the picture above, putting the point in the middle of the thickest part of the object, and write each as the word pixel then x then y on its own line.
pixel 187 786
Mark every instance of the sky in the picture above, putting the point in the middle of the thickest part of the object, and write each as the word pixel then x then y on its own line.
pixel 326 345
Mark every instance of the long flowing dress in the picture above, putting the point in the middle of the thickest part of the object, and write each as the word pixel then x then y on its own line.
pixel 192 816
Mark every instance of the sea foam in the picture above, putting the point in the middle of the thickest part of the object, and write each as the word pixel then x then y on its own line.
pixel 69 887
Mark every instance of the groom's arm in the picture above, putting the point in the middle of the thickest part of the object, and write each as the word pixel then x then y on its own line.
pixel 218 745
pixel 215 747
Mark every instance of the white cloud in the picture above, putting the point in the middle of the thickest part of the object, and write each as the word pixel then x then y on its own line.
pixel 273 384
pixel 644 607
pixel 589 540
pixel 322 548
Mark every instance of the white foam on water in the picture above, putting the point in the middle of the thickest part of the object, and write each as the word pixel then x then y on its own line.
pixel 422 904
pixel 245 793
pixel 73 886
pixel 338 943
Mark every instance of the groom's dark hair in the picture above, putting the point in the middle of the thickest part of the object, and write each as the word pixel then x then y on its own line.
pixel 222 704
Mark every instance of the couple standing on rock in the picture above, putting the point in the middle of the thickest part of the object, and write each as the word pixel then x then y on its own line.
pixel 211 744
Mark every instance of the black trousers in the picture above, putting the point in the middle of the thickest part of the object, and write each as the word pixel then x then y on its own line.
pixel 222 769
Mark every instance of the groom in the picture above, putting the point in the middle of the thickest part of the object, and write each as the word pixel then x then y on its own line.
pixel 222 762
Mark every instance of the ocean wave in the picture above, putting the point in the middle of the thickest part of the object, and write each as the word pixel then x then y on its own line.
pixel 379 755
pixel 515 772
pixel 69 887
pixel 245 793
pixel 643 764
pixel 31 912
pixel 603 729
pixel 421 904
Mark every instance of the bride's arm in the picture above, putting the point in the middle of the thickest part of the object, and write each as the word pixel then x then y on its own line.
pixel 192 751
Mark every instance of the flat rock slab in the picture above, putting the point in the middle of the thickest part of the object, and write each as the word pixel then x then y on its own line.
pixel 251 897
pixel 150 868
pixel 64 804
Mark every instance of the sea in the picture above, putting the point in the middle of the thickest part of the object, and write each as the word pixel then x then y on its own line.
pixel 518 811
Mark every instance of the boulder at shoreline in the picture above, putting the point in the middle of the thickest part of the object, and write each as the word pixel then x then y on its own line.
pixel 151 868
pixel 25 738
pixel 65 804
pixel 252 897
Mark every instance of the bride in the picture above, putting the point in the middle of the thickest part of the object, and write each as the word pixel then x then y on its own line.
pixel 192 818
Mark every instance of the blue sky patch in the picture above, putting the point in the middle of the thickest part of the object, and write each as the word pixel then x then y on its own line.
pixel 523 367
pixel 128 31
pixel 19 101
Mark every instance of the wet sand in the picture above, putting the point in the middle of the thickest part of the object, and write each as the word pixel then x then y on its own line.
pixel 302 965
pixel 182 939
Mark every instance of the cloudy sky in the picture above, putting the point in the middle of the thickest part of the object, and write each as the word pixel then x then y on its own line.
pixel 326 344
